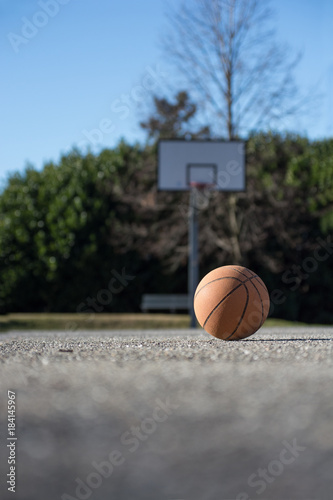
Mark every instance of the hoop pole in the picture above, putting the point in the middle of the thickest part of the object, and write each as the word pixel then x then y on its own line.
pixel 193 262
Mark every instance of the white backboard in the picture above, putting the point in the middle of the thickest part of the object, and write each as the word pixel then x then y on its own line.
pixel 181 162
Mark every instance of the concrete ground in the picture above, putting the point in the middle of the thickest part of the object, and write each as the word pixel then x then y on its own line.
pixel 169 415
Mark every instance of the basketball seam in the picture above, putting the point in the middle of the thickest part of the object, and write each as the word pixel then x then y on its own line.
pixel 243 314
pixel 261 301
pixel 218 305
pixel 218 279
pixel 262 305
pixel 261 283
pixel 258 280
pixel 223 278
pixel 226 296
pixel 240 272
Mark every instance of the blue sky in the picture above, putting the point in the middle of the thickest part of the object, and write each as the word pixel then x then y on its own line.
pixel 84 75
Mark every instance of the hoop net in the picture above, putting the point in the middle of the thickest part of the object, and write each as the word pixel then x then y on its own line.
pixel 200 193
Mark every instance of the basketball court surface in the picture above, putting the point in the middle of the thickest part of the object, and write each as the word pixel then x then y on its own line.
pixel 170 415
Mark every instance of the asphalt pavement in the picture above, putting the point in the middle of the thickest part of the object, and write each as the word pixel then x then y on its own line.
pixel 167 415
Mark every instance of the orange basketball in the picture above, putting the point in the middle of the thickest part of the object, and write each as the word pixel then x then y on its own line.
pixel 231 302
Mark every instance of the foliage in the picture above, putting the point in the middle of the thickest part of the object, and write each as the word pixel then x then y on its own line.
pixel 64 229
pixel 174 120
pixel 60 228
pixel 312 174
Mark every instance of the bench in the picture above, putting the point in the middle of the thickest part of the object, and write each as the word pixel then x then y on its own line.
pixel 168 302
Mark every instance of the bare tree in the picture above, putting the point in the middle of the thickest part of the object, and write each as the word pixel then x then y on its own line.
pixel 227 52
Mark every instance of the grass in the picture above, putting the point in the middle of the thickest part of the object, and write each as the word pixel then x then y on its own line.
pixel 113 321
pixel 73 321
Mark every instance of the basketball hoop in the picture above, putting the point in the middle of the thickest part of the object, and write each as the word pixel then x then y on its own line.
pixel 200 167
pixel 221 163
pixel 200 194
pixel 201 186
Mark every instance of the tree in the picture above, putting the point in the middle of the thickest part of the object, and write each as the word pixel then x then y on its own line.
pixel 312 174
pixel 226 51
pixel 65 228
pixel 173 120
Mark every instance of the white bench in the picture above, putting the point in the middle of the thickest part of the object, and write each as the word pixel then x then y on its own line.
pixel 168 302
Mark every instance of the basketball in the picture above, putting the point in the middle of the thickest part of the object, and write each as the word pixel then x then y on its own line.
pixel 231 302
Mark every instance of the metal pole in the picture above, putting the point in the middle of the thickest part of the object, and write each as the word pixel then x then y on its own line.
pixel 193 261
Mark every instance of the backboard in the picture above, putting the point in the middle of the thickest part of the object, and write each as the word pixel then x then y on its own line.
pixel 182 163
